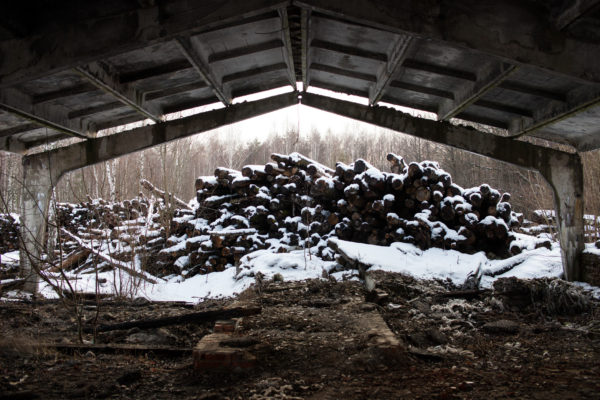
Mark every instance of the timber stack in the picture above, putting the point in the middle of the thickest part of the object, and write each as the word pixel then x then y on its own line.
pixel 295 201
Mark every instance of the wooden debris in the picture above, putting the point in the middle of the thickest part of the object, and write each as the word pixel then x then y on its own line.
pixel 196 317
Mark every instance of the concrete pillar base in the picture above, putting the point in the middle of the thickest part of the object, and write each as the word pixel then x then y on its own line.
pixel 564 173
pixel 39 177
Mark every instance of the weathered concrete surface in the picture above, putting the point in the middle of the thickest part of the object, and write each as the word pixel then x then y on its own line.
pixel 562 170
pixel 39 177
pixel 509 30
pixel 564 173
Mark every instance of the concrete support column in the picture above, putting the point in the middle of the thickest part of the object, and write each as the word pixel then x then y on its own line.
pixel 564 173
pixel 39 177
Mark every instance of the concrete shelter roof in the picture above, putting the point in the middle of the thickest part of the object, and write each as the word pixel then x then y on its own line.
pixel 70 68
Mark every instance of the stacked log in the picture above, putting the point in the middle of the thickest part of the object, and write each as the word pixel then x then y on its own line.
pixel 124 230
pixel 299 202
pixel 9 233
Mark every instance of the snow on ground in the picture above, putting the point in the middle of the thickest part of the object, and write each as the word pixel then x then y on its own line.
pixel 300 265
pixel 10 258
pixel 408 259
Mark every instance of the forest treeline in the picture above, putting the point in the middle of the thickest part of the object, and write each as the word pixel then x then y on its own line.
pixel 175 166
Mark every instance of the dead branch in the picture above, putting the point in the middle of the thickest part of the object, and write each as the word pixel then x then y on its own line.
pixel 161 193
pixel 196 317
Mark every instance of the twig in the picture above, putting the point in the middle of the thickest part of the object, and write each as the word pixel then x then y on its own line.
pixel 150 187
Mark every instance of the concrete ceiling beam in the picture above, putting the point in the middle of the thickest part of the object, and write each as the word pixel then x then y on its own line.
pixel 440 70
pixel 305 25
pixel 100 76
pixel 348 50
pixel 344 72
pixel 574 11
pixel 200 64
pixel 154 72
pixel 488 78
pixel 245 51
pixel 105 148
pixel 577 101
pixel 12 145
pixel 18 129
pixel 254 72
pixel 85 112
pixel 84 41
pixel 533 91
pixel 399 53
pixel 288 55
pixel 44 114
pixel 492 105
pixel 485 26
pixel 500 148
pixel 170 91
pixel 61 93
pixel 446 94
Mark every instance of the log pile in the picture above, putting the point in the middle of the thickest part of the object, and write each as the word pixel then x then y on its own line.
pixel 290 202
pixel 121 230
pixel 295 201
pixel 9 233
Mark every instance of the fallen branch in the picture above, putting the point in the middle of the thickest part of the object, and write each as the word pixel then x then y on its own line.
pixel 71 260
pixel 161 193
pixel 117 348
pixel 233 232
pixel 196 317
pixel 116 263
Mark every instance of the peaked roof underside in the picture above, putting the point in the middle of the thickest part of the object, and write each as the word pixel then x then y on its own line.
pixel 71 68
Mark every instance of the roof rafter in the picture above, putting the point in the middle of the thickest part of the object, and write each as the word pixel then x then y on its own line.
pixel 255 71
pixel 116 34
pixel 422 89
pixel 108 81
pixel 305 22
pixel 104 148
pixel 154 72
pixel 427 20
pixel 533 91
pixel 344 72
pixel 489 77
pixel 573 12
pixel 244 51
pixel 18 129
pixel 52 117
pixel 58 94
pixel 400 51
pixel 483 143
pixel 199 62
pixel 348 50
pixel 440 70
pixel 287 46
pixel 578 100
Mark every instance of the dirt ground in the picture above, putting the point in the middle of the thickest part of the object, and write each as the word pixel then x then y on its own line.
pixel 311 341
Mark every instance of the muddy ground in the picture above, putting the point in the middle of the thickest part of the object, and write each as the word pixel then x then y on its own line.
pixel 311 341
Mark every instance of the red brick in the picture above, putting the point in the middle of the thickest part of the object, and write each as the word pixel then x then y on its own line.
pixel 225 326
